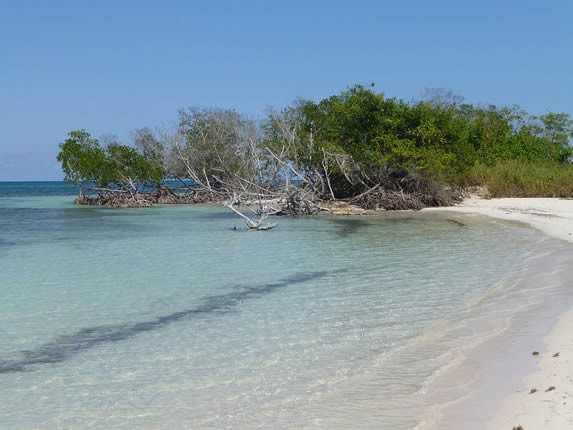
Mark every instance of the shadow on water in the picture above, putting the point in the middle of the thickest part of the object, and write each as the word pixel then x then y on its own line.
pixel 458 223
pixel 349 226
pixel 66 346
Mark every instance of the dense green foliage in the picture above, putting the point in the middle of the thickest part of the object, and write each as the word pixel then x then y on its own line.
pixel 114 166
pixel 342 146
pixel 82 158
pixel 437 138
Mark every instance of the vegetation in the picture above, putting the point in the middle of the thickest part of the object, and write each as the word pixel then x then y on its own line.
pixel 358 146
pixel 115 172
pixel 514 178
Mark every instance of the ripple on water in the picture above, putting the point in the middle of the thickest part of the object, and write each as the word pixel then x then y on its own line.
pixel 167 317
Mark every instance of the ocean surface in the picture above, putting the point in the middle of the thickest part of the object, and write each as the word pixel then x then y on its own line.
pixel 168 318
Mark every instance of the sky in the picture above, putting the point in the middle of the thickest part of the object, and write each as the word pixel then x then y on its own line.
pixel 113 66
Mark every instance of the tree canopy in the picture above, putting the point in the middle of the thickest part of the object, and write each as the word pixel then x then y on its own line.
pixel 342 146
pixel 84 160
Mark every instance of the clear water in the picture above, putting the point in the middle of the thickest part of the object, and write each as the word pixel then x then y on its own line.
pixel 47 188
pixel 168 318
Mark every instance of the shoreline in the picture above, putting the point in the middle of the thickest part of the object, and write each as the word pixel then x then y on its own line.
pixel 552 216
pixel 549 405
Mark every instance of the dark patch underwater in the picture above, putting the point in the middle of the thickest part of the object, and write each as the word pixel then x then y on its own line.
pixel 66 346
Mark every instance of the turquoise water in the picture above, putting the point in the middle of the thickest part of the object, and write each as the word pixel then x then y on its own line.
pixel 47 188
pixel 168 318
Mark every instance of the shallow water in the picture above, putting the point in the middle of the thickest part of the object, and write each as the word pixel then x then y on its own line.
pixel 167 317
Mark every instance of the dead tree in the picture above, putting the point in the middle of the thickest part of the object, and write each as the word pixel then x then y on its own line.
pixel 230 159
pixel 253 224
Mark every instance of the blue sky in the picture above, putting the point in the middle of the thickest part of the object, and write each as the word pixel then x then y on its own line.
pixel 112 66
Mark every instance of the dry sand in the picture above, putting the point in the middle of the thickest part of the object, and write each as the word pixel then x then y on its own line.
pixel 545 408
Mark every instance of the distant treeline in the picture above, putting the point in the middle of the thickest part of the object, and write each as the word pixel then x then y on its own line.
pixel 357 145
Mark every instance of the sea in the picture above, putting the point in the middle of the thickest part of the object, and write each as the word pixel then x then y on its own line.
pixel 173 317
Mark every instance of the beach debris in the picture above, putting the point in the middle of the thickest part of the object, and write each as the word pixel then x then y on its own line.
pixel 254 224
pixel 550 389
pixel 533 390
pixel 535 353
pixel 556 355
pixel 517 428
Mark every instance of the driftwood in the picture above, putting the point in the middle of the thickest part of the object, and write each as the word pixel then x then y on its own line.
pixel 297 202
pixel 383 200
pixel 415 195
pixel 252 223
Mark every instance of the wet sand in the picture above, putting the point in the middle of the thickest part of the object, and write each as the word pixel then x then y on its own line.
pixel 543 398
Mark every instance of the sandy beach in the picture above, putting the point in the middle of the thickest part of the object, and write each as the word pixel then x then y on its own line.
pixel 543 402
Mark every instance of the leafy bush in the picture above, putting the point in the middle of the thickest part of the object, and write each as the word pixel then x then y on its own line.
pixel 85 160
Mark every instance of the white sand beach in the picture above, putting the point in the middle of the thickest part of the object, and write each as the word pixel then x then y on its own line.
pixel 545 400
pixel 549 215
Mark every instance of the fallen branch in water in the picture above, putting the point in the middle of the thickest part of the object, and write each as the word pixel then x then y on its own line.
pixel 252 224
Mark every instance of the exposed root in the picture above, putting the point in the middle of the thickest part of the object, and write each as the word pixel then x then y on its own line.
pixel 380 199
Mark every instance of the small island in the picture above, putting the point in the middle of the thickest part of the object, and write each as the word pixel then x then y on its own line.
pixel 286 215
pixel 355 148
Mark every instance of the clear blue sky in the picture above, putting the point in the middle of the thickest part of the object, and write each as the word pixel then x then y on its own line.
pixel 112 66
